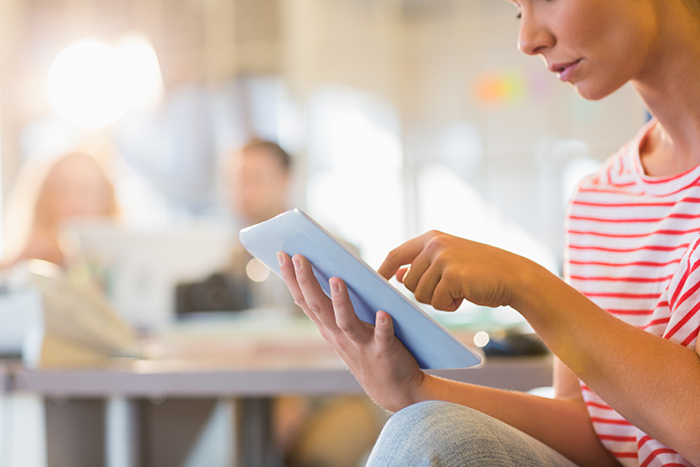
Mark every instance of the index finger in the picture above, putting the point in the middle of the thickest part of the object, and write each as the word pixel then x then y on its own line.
pixel 403 254
pixel 290 279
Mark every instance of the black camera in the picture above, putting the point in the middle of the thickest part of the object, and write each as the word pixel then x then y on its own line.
pixel 217 293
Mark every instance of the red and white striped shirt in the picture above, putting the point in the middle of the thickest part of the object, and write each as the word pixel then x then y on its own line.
pixel 633 248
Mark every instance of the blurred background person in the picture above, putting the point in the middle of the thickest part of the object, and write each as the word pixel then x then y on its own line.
pixel 256 184
pixel 259 181
pixel 49 194
pixel 333 431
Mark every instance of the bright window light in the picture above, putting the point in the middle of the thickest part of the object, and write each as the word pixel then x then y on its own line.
pixel 356 186
pixel 146 81
pixel 89 84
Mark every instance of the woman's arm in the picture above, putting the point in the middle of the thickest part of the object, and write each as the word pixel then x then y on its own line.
pixel 561 423
pixel 652 382
pixel 390 375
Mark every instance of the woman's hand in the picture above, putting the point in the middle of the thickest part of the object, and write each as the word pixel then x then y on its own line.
pixel 383 366
pixel 443 270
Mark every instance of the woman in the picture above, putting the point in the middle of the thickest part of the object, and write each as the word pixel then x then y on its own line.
pixel 627 372
pixel 73 186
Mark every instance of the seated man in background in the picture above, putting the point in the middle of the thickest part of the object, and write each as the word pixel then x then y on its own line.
pixel 259 178
pixel 49 194
pixel 308 430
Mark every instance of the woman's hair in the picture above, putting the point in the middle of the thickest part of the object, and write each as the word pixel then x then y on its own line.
pixel 43 215
pixel 694 6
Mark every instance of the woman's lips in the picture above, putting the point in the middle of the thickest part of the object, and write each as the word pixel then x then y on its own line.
pixel 564 70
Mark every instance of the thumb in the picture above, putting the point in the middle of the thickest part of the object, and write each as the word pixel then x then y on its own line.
pixel 384 328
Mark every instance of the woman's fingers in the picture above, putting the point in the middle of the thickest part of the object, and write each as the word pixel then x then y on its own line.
pixel 316 299
pixel 403 254
pixel 384 328
pixel 444 298
pixel 290 278
pixel 425 290
pixel 345 316
pixel 415 273
pixel 401 273
pixel 382 365
pixel 335 314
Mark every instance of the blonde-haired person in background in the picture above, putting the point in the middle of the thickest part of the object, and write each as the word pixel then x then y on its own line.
pixel 46 195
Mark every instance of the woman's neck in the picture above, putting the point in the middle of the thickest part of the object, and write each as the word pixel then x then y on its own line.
pixel 670 88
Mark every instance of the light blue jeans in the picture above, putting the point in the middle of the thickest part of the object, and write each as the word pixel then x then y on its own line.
pixel 442 434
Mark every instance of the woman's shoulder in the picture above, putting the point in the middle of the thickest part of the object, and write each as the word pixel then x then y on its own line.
pixel 619 171
pixel 614 173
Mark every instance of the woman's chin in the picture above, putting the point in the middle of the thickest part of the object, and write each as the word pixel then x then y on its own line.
pixel 592 92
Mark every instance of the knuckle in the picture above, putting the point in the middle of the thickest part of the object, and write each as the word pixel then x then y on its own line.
pixel 302 280
pixel 314 307
pixel 422 296
pixel 440 260
pixel 384 338
pixel 392 254
pixel 436 242
pixel 345 327
pixel 432 247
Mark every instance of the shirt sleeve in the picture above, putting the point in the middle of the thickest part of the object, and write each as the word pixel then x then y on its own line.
pixel 684 299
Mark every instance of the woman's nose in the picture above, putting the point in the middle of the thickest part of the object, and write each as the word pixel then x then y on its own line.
pixel 534 37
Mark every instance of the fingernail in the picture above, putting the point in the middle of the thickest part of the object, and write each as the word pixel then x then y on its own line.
pixel 335 288
pixel 297 264
pixel 280 258
pixel 381 319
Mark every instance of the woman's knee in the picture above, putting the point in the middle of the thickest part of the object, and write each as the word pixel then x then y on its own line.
pixel 419 433
pixel 420 419
pixel 444 434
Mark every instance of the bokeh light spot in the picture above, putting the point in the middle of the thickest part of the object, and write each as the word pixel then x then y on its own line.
pixel 88 84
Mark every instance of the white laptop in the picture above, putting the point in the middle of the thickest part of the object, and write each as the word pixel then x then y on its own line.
pixel 140 270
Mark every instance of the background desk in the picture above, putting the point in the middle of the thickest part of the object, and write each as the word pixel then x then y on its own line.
pixel 241 373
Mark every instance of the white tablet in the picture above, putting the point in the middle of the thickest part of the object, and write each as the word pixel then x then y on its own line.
pixel 294 232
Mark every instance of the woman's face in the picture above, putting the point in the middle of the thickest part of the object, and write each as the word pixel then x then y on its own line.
pixel 596 45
